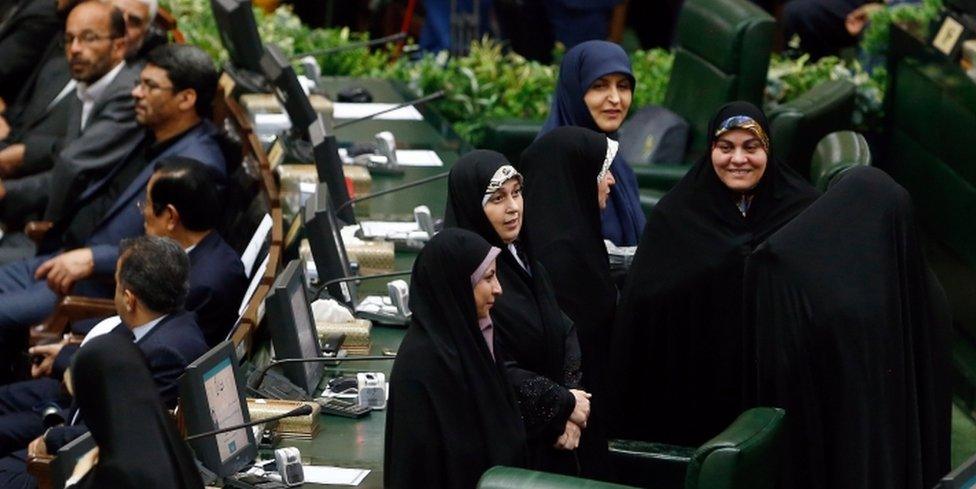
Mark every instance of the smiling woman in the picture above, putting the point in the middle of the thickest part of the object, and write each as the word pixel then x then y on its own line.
pixel 679 325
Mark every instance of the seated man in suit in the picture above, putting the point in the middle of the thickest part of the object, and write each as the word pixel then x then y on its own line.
pixel 151 286
pixel 69 132
pixel 139 38
pixel 181 204
pixel 79 252
pixel 25 29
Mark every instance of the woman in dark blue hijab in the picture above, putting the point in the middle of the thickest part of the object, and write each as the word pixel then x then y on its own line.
pixel 594 91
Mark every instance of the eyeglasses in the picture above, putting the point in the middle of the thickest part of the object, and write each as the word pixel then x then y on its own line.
pixel 149 86
pixel 85 39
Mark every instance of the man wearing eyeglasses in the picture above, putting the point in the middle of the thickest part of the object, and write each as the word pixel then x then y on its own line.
pixel 172 97
pixel 97 132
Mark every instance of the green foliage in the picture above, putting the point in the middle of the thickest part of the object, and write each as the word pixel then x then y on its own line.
pixel 915 17
pixel 490 83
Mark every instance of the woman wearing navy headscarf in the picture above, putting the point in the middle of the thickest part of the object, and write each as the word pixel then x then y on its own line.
pixel 594 91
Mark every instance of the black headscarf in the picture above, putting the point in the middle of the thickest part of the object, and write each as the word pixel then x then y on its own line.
pixel 562 230
pixel 542 349
pixel 850 338
pixel 138 444
pixel 623 219
pixel 451 414
pixel 679 324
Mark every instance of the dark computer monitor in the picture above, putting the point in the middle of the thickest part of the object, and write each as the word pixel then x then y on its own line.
pixel 212 397
pixel 328 165
pixel 239 33
pixel 323 232
pixel 279 72
pixel 293 331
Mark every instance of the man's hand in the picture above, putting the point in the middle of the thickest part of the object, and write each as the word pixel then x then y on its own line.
pixel 569 440
pixel 67 268
pixel 37 448
pixel 11 158
pixel 4 128
pixel 47 353
pixel 858 19
pixel 582 410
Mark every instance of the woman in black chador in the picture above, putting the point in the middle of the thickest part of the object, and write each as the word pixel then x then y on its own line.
pixel 850 338
pixel 567 183
pixel 452 414
pixel 485 196
pixel 676 355
pixel 138 444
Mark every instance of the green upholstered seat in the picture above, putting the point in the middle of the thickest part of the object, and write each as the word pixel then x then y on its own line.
pixel 510 136
pixel 836 153
pixel 744 455
pixel 797 126
pixel 512 478
pixel 721 54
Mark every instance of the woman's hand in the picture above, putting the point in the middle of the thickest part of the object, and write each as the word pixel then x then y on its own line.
pixel 569 440
pixel 581 412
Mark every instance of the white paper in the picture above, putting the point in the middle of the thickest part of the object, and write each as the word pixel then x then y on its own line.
pixel 345 110
pixel 321 474
pixel 418 157
pixel 382 229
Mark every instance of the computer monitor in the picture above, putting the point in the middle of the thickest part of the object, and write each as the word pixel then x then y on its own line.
pixel 328 165
pixel 279 72
pixel 293 331
pixel 239 33
pixel 211 398
pixel 325 240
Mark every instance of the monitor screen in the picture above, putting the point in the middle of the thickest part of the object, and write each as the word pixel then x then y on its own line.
pixel 211 397
pixel 325 241
pixel 278 70
pixel 239 33
pixel 293 332
pixel 328 165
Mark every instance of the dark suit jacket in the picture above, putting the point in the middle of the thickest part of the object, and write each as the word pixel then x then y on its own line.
pixel 217 285
pixel 169 347
pixel 68 164
pixel 24 35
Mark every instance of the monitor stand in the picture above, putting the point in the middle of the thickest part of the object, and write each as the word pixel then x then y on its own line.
pixel 247 81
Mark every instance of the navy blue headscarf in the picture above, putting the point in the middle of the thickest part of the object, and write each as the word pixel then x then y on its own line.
pixel 622 220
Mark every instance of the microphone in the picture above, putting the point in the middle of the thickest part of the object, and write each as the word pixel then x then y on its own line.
pixel 391 190
pixel 354 45
pixel 335 281
pixel 422 100
pixel 255 381
pixel 302 410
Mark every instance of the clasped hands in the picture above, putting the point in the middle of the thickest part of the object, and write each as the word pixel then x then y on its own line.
pixel 569 440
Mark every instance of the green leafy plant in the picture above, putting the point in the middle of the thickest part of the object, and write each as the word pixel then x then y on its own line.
pixel 915 17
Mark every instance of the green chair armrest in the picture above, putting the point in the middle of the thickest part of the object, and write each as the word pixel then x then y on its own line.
pixel 512 478
pixel 510 136
pixel 644 463
pixel 659 177
pixel 745 455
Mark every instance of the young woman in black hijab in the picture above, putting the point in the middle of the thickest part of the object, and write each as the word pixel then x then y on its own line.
pixel 678 331
pixel 485 196
pixel 566 186
pixel 452 414
pixel 851 333
pixel 138 445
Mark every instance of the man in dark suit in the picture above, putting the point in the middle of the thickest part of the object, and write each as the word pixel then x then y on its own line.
pixel 151 286
pixel 100 128
pixel 25 29
pixel 79 252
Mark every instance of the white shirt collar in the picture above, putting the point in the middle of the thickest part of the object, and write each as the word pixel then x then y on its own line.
pixel 90 93
pixel 141 331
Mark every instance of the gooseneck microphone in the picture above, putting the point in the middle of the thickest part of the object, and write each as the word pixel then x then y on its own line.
pixel 302 410
pixel 255 381
pixel 422 100
pixel 432 178
pixel 353 45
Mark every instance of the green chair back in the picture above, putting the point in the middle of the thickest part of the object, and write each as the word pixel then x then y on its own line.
pixel 797 126
pixel 744 456
pixel 721 54
pixel 836 153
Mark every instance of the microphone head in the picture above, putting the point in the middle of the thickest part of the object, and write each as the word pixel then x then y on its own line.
pixel 302 410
